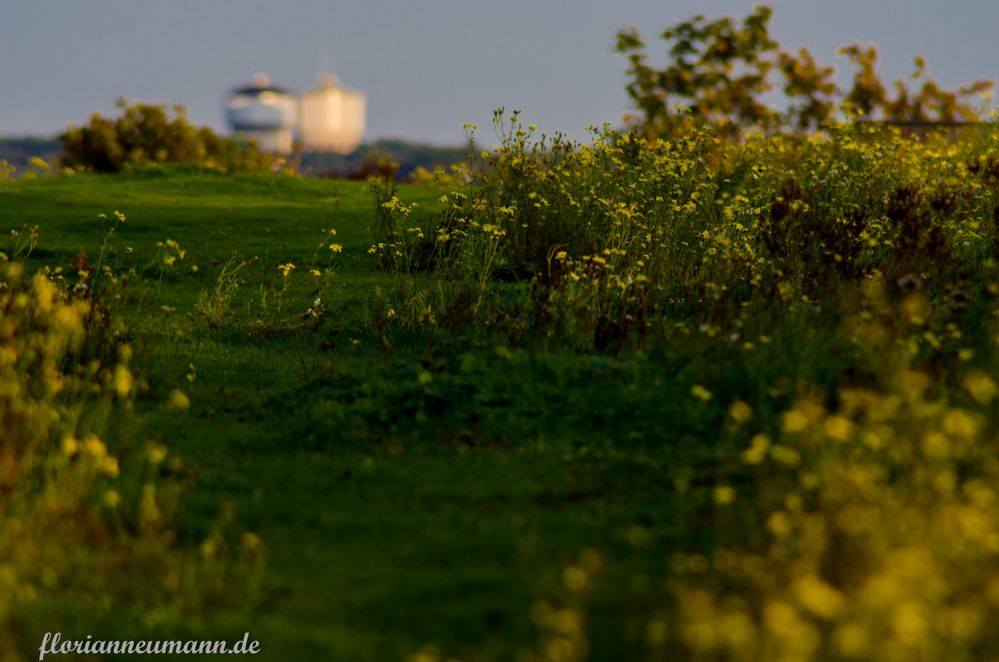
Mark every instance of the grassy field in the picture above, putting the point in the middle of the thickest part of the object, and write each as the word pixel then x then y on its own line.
pixel 739 407
pixel 410 487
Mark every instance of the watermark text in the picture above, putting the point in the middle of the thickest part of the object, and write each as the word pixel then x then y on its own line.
pixel 54 644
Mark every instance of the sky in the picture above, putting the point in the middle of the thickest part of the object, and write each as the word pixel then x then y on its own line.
pixel 427 66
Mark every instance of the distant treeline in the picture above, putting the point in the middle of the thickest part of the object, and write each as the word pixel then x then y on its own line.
pixel 17 151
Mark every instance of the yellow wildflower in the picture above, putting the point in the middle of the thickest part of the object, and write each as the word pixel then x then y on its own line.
pixel 122 381
pixel 740 412
pixel 757 451
pixel 701 393
pixel 724 495
pixel 112 499
pixel 178 400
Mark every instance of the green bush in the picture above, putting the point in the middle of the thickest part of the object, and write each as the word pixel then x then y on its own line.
pixel 147 134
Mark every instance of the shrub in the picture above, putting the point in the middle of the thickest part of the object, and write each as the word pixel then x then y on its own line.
pixel 146 134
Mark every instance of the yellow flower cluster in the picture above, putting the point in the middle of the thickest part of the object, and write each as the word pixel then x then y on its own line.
pixel 872 503
pixel 65 492
pixel 44 390
pixel 883 542
pixel 169 251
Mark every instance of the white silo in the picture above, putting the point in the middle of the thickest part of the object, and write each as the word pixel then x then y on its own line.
pixel 264 113
pixel 331 117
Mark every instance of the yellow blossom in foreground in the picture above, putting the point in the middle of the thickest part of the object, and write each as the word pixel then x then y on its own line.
pixel 45 293
pixel 156 453
pixel 785 455
pixel 122 381
pixel 70 446
pixel 724 495
pixel 981 387
pixel 818 597
pixel 740 412
pixel 94 447
pixel 700 393
pixel 112 499
pixel 178 400
pixel 109 467
pixel 757 451
pixel 795 421
pixel 70 317
pixel 838 428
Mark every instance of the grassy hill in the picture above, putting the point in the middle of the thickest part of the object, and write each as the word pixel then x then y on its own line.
pixel 687 399
pixel 410 487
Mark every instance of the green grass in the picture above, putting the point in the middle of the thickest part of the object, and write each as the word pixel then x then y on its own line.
pixel 412 487
pixel 745 409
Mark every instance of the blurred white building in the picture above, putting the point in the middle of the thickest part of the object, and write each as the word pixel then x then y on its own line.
pixel 331 117
pixel 263 113
pixel 328 117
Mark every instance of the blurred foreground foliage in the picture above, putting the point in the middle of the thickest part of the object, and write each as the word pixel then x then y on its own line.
pixel 829 302
pixel 86 504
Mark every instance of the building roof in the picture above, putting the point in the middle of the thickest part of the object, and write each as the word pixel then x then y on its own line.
pixel 261 83
pixel 253 90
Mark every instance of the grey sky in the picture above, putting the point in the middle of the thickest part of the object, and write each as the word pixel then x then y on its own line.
pixel 427 66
